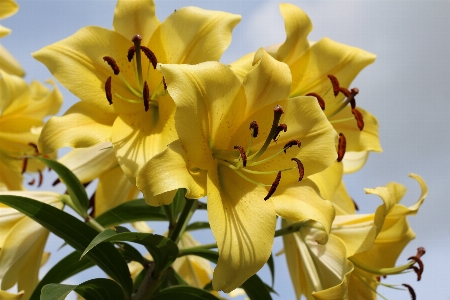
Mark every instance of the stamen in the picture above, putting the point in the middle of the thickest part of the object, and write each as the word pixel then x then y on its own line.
pixel 291 143
pixel 359 118
pixel 341 147
pixel 281 127
pixel 254 126
pixel 137 47
pixel 24 165
pixel 420 263
pixel 301 169
pixel 411 291
pixel 355 204
pixel 41 178
pixel 164 83
pixel 112 63
pixel 319 99
pixel 146 94
pixel 274 186
pixel 36 151
pixel 31 182
pixel 150 55
pixel 56 181
pixel 108 90
pixel 243 155
pixel 130 54
pixel 335 84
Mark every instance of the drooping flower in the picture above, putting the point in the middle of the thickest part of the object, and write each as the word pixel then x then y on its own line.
pixel 235 139
pixel 8 63
pixel 22 242
pixel 123 99
pixel 361 247
pixel 22 110
pixel 325 70
pixel 99 161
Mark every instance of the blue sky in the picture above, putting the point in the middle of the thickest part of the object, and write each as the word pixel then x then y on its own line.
pixel 407 88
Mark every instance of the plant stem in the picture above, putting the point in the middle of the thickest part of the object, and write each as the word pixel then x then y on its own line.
pixel 185 216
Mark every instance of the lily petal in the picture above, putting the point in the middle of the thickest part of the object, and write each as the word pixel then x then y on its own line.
pixel 135 17
pixel 342 202
pixel 243 225
pixel 8 8
pixel 298 26
pixel 8 63
pixel 9 296
pixel 328 180
pixel 167 172
pixel 193 35
pixel 83 125
pixel 354 161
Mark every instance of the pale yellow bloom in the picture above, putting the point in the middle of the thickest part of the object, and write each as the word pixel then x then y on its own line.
pixel 22 242
pixel 22 110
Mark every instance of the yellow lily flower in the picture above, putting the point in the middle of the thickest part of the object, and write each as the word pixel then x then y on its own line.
pixel 360 248
pixel 10 296
pixel 7 9
pixel 310 64
pixel 22 242
pixel 136 114
pixel 99 161
pixel 219 157
pixel 22 110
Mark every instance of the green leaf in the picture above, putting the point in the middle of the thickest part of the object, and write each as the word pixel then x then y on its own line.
pixel 79 200
pixel 94 289
pixel 76 233
pixel 271 265
pixel 184 292
pixel 65 268
pixel 131 211
pixel 256 289
pixel 163 250
pixel 197 226
pixel 211 255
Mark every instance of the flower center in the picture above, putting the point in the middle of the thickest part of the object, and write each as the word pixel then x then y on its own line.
pixel 140 89
pixel 241 161
pixel 371 276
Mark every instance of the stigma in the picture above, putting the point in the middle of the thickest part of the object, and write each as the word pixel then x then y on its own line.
pixel 140 89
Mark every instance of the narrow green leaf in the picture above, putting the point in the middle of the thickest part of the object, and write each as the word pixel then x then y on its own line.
pixel 271 265
pixel 211 255
pixel 94 289
pixel 256 289
pixel 65 268
pixel 131 211
pixel 76 233
pixel 184 292
pixel 163 250
pixel 197 226
pixel 79 199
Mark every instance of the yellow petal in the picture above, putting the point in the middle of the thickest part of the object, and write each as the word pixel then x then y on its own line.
pixel 340 291
pixel 4 31
pixel 301 201
pixel 8 63
pixel 242 65
pixel 83 125
pixel 342 202
pixel 266 83
pixel 354 161
pixel 10 296
pixel 135 17
pixel 401 210
pixel 10 173
pixel 138 137
pixel 297 25
pixel 169 171
pixel 210 102
pixel 309 72
pixel 44 101
pixel 15 94
pixel 77 63
pixel 192 35
pixel 328 180
pixel 8 8
pixel 243 225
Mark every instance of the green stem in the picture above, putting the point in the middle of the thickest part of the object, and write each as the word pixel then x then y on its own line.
pixel 188 251
pixel 148 285
pixel 185 216
pixel 94 224
pixel 170 217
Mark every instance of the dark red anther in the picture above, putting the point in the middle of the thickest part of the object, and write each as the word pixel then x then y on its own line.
pixel 341 147
pixel 274 186
pixel 146 94
pixel 243 155
pixel 417 271
pixel 164 83
pixel 420 263
pixel 254 126
pixel 56 181
pixel 31 182
pixel 150 55
pixel 108 90
pixel 353 93
pixel 292 143
pixel 345 91
pixel 112 63
pixel 335 84
pixel 411 291
pixel 24 165
pixel 278 110
pixel 301 169
pixel 355 204
pixel 41 178
pixel 359 118
pixel 319 99
pixel 130 54
pixel 281 127
pixel 35 147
